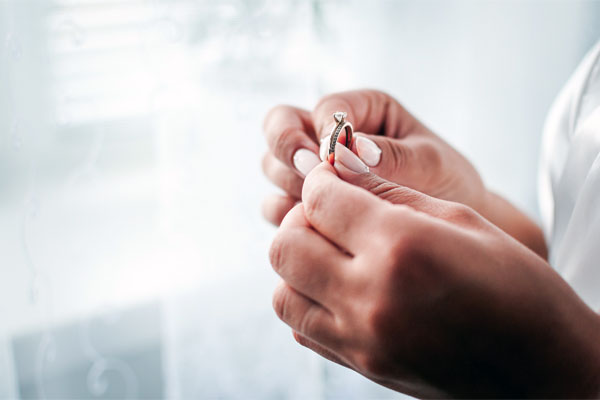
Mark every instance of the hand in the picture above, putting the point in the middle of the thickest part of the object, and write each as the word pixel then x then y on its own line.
pixel 425 296
pixel 395 146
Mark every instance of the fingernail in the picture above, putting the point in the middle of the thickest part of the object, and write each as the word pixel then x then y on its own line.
pixel 305 160
pixel 324 148
pixel 368 151
pixel 349 160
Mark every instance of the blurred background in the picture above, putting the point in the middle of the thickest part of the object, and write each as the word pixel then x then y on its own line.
pixel 133 256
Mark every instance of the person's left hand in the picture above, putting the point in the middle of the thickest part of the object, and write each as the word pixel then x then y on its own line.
pixel 425 296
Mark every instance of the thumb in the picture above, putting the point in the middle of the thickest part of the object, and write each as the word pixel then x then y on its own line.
pixel 407 161
pixel 353 170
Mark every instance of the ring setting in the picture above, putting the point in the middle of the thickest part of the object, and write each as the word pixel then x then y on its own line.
pixel 340 125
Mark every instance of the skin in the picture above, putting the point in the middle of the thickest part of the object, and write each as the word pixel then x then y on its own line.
pixel 442 291
pixel 427 297
pixel 412 156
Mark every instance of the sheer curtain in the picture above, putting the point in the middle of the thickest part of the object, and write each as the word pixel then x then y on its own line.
pixel 132 252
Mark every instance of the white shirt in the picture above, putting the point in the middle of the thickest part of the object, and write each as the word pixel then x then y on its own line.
pixel 570 180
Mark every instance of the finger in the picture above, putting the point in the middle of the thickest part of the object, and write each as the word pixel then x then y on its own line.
pixel 288 130
pixel 305 316
pixel 369 111
pixel 324 147
pixel 282 175
pixel 275 207
pixel 345 165
pixel 319 349
pixel 341 212
pixel 408 161
pixel 295 218
pixel 309 263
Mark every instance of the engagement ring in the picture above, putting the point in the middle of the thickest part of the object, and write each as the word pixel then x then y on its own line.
pixel 341 124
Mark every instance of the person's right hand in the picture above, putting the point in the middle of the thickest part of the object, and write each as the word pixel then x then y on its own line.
pixel 425 296
pixel 394 145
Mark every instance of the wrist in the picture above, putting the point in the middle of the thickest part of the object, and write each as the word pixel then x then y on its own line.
pixel 507 217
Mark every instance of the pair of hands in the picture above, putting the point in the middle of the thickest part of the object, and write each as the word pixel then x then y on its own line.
pixel 419 294
pixel 395 145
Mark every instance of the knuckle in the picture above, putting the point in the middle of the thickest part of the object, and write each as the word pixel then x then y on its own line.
pixel 328 99
pixel 283 144
pixel 402 249
pixel 393 242
pixel 371 363
pixel 399 156
pixel 403 245
pixel 278 250
pixel 313 196
pixel 307 324
pixel 376 318
pixel 280 302
pixel 462 214
pixel 398 195
pixel 329 104
pixel 301 340
pixel 273 112
pixel 430 158
pixel 382 188
pixel 381 326
pixel 378 95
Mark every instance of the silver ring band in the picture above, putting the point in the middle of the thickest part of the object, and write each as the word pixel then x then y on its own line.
pixel 341 124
